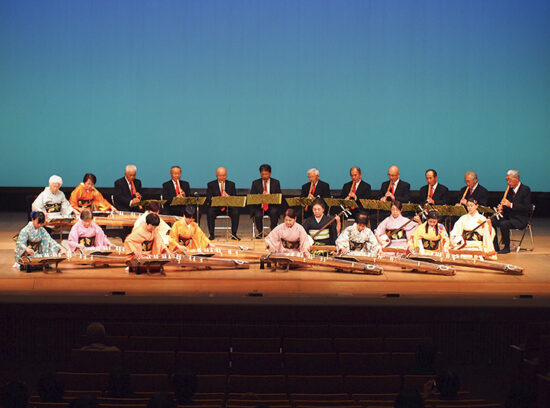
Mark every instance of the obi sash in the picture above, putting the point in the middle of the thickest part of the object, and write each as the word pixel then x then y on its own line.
pixel 290 244
pixel 147 246
pixel 51 208
pixel 184 241
pixel 322 236
pixel 396 234
pixel 472 236
pixel 356 246
pixel 87 241
pixel 85 203
pixel 431 245
pixel 34 245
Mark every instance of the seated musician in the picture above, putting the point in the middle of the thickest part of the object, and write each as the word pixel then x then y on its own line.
pixel 473 190
pixel 265 185
pixel 395 188
pixel 175 187
pixel 476 231
pixel 87 234
pixel 186 233
pixel 128 189
pixel 430 237
pixel 52 201
pixel 433 192
pixel 163 228
pixel 395 228
pixel 315 188
pixel 358 239
pixel 85 195
pixel 317 221
pixel 145 239
pixel 516 206
pixel 288 238
pixel 221 187
pixel 34 240
pixel 356 189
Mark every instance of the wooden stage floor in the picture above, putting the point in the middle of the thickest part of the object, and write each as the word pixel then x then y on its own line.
pixel 300 287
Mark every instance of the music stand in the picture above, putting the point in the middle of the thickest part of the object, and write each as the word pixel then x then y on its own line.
pixel 228 201
pixel 261 199
pixel 196 201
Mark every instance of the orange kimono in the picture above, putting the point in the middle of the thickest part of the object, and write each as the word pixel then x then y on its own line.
pixel 141 240
pixel 82 198
pixel 191 236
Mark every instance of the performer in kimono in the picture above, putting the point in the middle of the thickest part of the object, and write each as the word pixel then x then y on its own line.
pixel 34 240
pixel 464 236
pixel 186 233
pixel 288 238
pixel 358 239
pixel 87 234
pixel 145 238
pixel 85 195
pixel 395 230
pixel 429 237
pixel 318 220
pixel 163 228
pixel 52 201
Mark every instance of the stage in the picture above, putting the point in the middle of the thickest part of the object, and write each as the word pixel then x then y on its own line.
pixel 395 287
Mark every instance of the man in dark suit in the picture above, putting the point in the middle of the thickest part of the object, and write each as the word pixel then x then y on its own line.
pixel 356 189
pixel 474 190
pixel 433 192
pixel 265 185
pixel 516 207
pixel 127 189
pixel 315 188
pixel 395 188
pixel 221 187
pixel 175 188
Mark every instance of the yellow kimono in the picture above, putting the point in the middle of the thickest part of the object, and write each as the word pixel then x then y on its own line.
pixel 191 236
pixel 431 241
pixel 82 198
pixel 142 241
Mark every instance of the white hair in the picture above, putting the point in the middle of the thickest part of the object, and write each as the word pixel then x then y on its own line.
pixel 130 168
pixel 471 173
pixel 513 173
pixel 314 171
pixel 55 179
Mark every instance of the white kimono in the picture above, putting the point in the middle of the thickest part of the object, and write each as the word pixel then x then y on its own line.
pixel 52 204
pixel 481 239
pixel 355 242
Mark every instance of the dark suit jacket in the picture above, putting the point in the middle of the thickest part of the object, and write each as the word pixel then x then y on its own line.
pixel 169 192
pixel 322 190
pixel 213 190
pixel 481 194
pixel 122 195
pixel 521 204
pixel 363 190
pixel 258 187
pixel 439 197
pixel 402 191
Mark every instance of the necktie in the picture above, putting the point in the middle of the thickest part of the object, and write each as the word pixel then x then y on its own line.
pixel 471 191
pixel 265 206
pixel 132 189
pixel 313 188
pixel 177 188
pixel 354 189
pixel 431 191
pixel 221 194
pixel 393 188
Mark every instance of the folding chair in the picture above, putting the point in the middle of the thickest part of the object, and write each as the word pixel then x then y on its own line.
pixel 529 228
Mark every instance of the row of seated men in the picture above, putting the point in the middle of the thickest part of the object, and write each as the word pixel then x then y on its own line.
pixel 515 204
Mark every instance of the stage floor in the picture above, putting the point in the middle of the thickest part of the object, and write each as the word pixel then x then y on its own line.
pixel 252 286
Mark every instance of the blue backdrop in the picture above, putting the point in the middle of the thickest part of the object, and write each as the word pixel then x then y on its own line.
pixel 91 85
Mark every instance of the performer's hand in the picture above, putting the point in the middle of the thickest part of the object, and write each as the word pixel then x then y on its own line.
pixel 463 202
pixel 389 195
pixel 135 200
pixel 80 246
pixel 310 196
pixel 499 207
pixel 182 249
pixel 76 212
pixel 385 198
pixel 417 219
pixel 30 251
pixel 225 194
pixel 430 201
pixel 138 196
pixel 506 202
pixel 62 251
pixel 113 209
